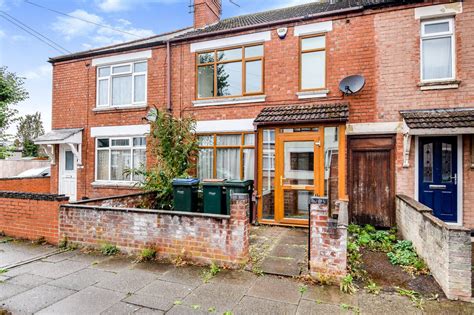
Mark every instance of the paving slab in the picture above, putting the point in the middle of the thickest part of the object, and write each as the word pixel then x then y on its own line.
pixel 167 290
pixel 7 290
pixel 33 300
pixel 187 310
pixel 154 267
pixel 56 270
pixel 235 277
pixel 329 295
pixel 83 279
pixel 252 305
pixel 115 264
pixel 121 308
pixel 15 252
pixel 307 307
pixel 446 307
pixel 127 281
pixel 281 266
pixel 220 296
pixel 29 280
pixel 88 301
pixel 89 258
pixel 276 289
pixel 149 301
pixel 59 257
pixel 149 311
pixel 188 275
pixel 386 304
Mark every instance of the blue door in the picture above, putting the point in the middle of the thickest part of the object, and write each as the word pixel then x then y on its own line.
pixel 438 176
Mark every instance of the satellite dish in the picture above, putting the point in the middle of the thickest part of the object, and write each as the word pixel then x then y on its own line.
pixel 352 84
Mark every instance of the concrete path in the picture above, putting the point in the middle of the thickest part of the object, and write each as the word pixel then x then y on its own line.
pixel 77 283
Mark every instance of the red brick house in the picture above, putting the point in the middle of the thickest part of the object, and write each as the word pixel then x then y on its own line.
pixel 264 89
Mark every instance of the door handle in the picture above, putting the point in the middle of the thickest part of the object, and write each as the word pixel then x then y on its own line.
pixel 455 179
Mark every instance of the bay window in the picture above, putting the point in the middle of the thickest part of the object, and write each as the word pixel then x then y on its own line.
pixel 117 158
pixel 437 50
pixel 226 156
pixel 122 85
pixel 231 72
pixel 313 63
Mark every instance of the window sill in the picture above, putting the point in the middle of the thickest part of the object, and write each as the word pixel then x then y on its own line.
pixel 439 85
pixel 119 108
pixel 112 184
pixel 230 100
pixel 312 94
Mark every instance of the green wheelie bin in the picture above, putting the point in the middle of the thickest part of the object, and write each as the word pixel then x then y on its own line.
pixel 185 194
pixel 238 187
pixel 214 196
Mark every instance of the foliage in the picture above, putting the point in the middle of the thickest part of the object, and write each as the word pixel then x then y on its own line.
pixel 29 128
pixel 303 289
pixel 3 270
pixel 147 254
pixel 175 147
pixel 404 255
pixel 12 91
pixel 414 296
pixel 372 239
pixel 354 261
pixel 347 285
pixel 109 249
pixel 347 307
pixel 5 151
pixel 372 288
pixel 210 273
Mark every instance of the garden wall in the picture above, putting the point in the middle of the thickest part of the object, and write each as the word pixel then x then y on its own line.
pixel 26 184
pixel 328 240
pixel 446 249
pixel 30 216
pixel 199 238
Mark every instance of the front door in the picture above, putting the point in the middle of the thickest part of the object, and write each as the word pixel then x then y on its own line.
pixel 438 178
pixel 67 173
pixel 298 158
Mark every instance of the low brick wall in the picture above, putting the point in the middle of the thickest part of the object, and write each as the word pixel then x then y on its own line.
pixel 446 249
pixel 30 216
pixel 199 238
pixel 39 185
pixel 328 240
pixel 135 200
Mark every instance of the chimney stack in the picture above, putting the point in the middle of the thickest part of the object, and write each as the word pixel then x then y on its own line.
pixel 206 12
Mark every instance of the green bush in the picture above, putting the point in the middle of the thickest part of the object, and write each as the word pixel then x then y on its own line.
pixel 403 254
pixel 109 249
pixel 147 254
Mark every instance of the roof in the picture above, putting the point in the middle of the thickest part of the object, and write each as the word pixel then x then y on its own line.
pixel 439 118
pixel 57 135
pixel 255 20
pixel 303 113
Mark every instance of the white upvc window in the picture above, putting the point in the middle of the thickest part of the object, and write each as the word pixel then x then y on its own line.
pixel 116 158
pixel 438 52
pixel 122 84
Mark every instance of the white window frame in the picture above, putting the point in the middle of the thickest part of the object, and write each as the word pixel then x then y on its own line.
pixel 123 74
pixel 450 33
pixel 109 149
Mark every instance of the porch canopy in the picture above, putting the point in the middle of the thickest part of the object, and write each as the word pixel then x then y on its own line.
pixel 447 121
pixel 70 137
pixel 314 113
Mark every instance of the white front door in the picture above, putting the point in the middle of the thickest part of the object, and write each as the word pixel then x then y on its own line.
pixel 67 172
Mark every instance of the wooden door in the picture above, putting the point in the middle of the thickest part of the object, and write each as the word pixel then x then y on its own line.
pixel 372 181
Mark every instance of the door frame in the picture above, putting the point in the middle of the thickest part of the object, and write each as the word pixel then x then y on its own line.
pixel 62 160
pixel 460 185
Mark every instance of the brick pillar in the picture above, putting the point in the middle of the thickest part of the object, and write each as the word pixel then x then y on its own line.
pixel 328 247
pixel 239 224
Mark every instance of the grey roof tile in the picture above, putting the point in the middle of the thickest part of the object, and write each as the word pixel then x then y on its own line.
pixel 439 118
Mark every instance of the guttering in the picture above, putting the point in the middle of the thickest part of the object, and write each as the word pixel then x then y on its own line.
pixel 168 76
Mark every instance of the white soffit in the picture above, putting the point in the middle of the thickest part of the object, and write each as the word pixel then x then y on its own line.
pixel 118 131
pixel 140 55
pixel 314 28
pixel 232 41
pixel 439 10
pixel 207 126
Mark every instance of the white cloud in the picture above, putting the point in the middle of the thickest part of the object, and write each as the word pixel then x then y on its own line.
pixel 124 5
pixel 73 27
pixel 41 72
pixel 2 34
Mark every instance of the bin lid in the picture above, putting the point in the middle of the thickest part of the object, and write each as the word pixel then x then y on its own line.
pixel 185 181
pixel 214 182
pixel 238 183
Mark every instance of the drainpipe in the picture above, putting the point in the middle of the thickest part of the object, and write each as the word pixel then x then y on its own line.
pixel 168 76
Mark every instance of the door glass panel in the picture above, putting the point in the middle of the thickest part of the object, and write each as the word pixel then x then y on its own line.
pixel 331 159
pixel 299 163
pixel 428 162
pixel 296 203
pixel 446 162
pixel 268 176
pixel 69 157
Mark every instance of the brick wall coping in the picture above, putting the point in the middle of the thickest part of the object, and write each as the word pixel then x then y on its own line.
pixel 32 196
pixel 153 211
pixel 428 213
pixel 20 178
pixel 86 201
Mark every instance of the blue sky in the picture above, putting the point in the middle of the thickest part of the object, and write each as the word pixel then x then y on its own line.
pixel 27 56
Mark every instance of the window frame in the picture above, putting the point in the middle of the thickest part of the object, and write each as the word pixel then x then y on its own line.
pixel 300 61
pixel 244 61
pixel 109 78
pixel 241 147
pixel 450 33
pixel 131 147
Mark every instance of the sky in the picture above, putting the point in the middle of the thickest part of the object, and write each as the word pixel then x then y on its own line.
pixel 27 56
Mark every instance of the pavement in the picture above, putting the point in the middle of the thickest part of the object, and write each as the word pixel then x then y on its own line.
pixel 45 282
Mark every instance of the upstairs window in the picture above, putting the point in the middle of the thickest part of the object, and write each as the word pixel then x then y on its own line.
pixel 231 72
pixel 437 50
pixel 313 63
pixel 122 85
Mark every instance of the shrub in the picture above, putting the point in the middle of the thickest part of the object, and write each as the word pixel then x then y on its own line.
pixel 403 254
pixel 109 249
pixel 347 285
pixel 211 272
pixel 147 254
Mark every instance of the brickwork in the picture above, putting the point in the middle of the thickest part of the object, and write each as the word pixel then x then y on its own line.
pixel 27 184
pixel 30 216
pixel 199 238
pixel 468 183
pixel 446 249
pixel 206 12
pixel 328 241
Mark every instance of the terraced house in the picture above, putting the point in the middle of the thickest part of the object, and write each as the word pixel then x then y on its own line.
pixel 266 92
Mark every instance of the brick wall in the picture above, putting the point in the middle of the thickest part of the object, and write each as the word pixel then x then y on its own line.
pixel 27 184
pixel 468 183
pixel 199 238
pixel 446 249
pixel 328 241
pixel 30 216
